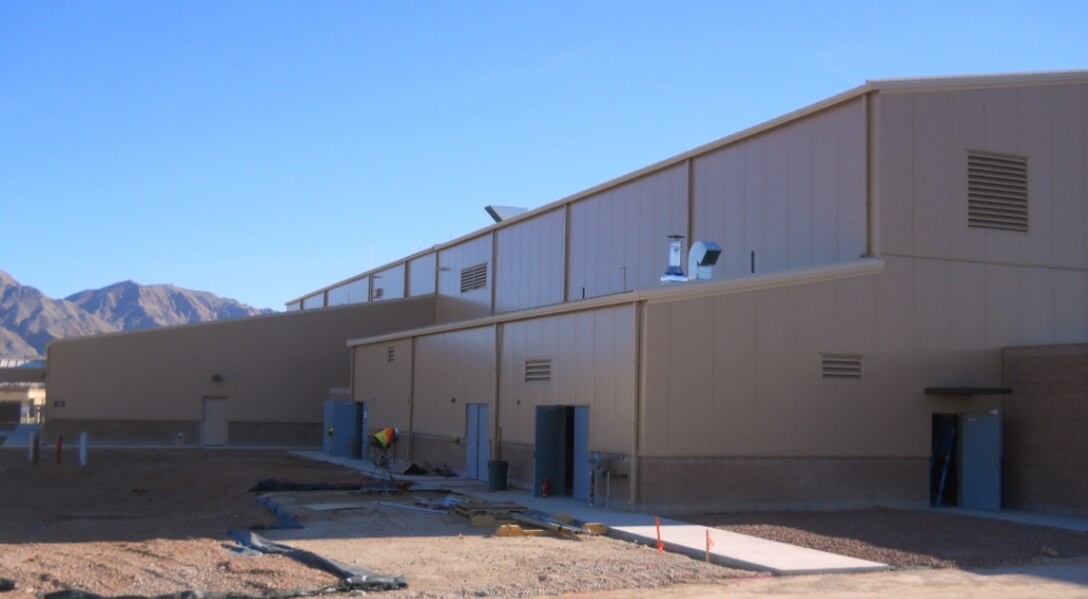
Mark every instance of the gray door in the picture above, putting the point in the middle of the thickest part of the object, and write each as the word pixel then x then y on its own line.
pixel 979 457
pixel 550 452
pixel 477 441
pixel 213 427
pixel 581 454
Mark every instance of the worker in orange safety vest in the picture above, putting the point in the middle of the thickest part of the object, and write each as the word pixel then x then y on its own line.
pixel 386 437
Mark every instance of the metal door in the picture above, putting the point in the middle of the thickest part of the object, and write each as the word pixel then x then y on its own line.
pixel 550 453
pixel 581 454
pixel 979 458
pixel 213 427
pixel 477 441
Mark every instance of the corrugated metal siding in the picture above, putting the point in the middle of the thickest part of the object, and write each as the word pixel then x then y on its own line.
pixel 385 385
pixel 452 304
pixel 453 369
pixel 421 273
pixel 795 195
pixel 626 228
pixel 389 283
pixel 741 374
pixel 592 357
pixel 923 143
pixel 529 269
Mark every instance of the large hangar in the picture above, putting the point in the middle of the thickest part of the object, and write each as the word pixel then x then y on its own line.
pixel 879 251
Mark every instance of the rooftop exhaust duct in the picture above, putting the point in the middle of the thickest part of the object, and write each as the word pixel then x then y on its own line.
pixel 702 257
pixel 501 213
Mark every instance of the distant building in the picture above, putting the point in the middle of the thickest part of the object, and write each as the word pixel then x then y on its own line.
pixel 879 249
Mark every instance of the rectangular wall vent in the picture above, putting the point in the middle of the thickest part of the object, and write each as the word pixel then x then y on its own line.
pixel 538 371
pixel 390 353
pixel 997 192
pixel 841 367
pixel 474 277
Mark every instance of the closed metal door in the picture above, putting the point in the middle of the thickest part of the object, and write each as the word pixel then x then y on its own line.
pixel 213 427
pixel 979 457
pixel 581 454
pixel 477 441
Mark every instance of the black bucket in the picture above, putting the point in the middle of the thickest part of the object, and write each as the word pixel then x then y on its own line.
pixel 496 474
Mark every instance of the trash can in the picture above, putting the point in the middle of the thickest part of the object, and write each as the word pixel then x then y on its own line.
pixel 496 474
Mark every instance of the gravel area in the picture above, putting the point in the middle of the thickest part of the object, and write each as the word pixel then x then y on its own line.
pixel 907 538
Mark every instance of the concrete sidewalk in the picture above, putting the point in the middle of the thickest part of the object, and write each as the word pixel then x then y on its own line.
pixel 729 549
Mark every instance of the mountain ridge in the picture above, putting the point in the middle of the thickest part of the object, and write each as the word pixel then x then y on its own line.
pixel 29 319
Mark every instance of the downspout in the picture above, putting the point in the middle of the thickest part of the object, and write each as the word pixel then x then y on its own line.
pixel 497 453
pixel 411 395
pixel 872 205
pixel 640 382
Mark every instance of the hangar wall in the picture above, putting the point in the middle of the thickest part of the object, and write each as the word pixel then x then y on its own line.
pixel 276 370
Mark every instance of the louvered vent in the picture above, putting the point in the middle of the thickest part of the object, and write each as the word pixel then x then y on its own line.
pixel 841 367
pixel 474 277
pixel 997 192
pixel 390 353
pixel 538 371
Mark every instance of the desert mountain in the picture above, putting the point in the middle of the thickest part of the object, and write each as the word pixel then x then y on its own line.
pixel 129 306
pixel 29 319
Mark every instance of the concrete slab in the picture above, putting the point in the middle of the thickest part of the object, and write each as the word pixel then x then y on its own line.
pixel 729 549
pixel 1072 523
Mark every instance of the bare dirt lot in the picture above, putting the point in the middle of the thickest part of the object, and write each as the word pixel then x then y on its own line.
pixel 156 521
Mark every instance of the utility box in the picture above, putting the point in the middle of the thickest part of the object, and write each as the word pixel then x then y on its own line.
pixel 343 428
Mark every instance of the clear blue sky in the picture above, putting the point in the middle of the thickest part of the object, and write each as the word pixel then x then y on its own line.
pixel 260 150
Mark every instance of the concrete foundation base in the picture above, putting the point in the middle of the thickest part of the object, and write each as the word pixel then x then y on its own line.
pixel 708 485
pixel 184 433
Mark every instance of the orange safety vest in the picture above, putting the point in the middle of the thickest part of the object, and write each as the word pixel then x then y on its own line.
pixel 385 437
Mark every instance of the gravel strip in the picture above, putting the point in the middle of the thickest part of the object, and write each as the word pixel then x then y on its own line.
pixel 907 538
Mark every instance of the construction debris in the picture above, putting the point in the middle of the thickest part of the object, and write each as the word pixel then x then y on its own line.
pixel 515 530
pixel 498 510
pixel 547 523
pixel 402 506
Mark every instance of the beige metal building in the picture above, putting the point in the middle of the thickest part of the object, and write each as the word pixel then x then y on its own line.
pixel 878 250
pixel 885 242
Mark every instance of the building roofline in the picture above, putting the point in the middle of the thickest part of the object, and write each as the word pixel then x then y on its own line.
pixel 895 85
pixel 230 321
pixel 678 292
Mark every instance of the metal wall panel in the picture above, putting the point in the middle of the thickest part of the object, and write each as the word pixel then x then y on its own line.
pixel 452 369
pixel 592 359
pixel 421 275
pixel 795 196
pixel 275 368
pixel 923 142
pixel 389 283
pixel 385 386
pixel 619 238
pixel 452 304
pixel 529 269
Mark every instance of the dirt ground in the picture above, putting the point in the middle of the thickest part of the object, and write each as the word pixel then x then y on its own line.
pixel 156 521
